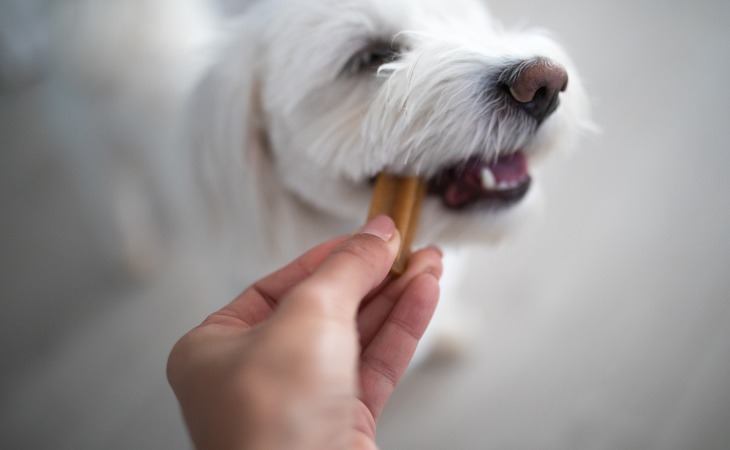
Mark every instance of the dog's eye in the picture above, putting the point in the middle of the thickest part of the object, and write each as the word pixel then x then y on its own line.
pixel 371 57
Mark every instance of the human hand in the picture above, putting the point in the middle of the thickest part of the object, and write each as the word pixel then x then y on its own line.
pixel 307 357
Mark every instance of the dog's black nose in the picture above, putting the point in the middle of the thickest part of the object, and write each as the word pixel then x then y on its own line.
pixel 536 84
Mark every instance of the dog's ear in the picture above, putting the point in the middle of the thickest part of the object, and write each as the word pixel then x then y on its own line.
pixel 227 135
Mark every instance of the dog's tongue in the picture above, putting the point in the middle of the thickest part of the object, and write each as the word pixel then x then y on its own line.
pixel 474 179
pixel 509 169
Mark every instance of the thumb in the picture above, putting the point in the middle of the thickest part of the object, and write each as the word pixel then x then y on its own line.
pixel 351 270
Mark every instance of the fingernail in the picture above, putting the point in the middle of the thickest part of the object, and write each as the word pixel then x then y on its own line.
pixel 433 271
pixel 380 226
pixel 435 268
pixel 437 250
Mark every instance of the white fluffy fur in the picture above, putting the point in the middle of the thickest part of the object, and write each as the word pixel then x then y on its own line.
pixel 288 141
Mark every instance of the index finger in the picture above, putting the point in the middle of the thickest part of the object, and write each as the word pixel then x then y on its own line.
pixel 256 303
pixel 353 269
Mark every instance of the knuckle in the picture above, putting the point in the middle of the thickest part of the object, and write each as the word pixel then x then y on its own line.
pixel 376 367
pixel 312 293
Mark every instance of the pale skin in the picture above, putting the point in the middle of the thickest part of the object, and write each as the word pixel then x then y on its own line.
pixel 307 357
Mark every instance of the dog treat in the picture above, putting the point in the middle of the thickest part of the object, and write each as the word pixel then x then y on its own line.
pixel 400 198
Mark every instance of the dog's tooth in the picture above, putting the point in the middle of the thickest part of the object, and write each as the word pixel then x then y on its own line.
pixel 489 182
pixel 507 185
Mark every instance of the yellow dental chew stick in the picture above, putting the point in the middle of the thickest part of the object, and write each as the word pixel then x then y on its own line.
pixel 399 198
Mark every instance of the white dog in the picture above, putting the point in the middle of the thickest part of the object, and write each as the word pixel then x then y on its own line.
pixel 308 100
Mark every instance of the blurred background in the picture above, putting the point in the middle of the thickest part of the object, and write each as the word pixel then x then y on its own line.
pixel 606 325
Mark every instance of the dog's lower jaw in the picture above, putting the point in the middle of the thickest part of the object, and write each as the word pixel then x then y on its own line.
pixel 313 205
pixel 439 225
pixel 475 227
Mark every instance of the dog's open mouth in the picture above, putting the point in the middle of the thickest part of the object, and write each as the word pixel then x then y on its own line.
pixel 476 181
